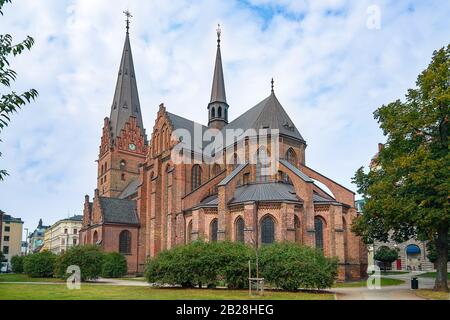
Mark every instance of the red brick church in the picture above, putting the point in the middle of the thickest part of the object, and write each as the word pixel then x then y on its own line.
pixel 146 202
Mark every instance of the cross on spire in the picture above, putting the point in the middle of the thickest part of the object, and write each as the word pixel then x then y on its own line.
pixel 128 15
pixel 219 32
pixel 272 83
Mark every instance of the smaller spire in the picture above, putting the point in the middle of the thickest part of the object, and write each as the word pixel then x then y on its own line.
pixel 272 82
pixel 128 15
pixel 219 33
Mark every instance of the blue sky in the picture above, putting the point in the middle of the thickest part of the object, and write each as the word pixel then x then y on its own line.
pixel 331 72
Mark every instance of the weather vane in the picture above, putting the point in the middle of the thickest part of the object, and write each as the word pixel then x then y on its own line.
pixel 128 15
pixel 219 32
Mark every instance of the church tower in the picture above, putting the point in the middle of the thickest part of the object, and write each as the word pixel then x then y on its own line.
pixel 218 106
pixel 124 143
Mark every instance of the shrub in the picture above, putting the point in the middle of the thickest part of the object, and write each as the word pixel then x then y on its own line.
pixel 17 264
pixel 114 265
pixel 201 263
pixel 39 265
pixel 88 258
pixel 386 256
pixel 291 266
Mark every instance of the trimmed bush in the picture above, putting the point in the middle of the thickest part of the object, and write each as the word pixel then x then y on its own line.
pixel 201 263
pixel 386 256
pixel 88 258
pixel 114 265
pixel 39 265
pixel 291 266
pixel 17 264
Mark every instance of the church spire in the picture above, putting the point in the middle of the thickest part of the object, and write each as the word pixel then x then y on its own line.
pixel 126 98
pixel 218 107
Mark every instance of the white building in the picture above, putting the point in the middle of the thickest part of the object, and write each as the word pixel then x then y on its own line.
pixel 62 235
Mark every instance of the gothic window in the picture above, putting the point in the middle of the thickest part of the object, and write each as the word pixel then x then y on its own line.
pixel 267 230
pixel 196 177
pixel 262 162
pixel 213 113
pixel 125 242
pixel 219 112
pixel 189 232
pixel 213 230
pixel 297 229
pixel 240 229
pixel 122 164
pixel 318 227
pixel 291 157
pixel 95 237
pixel 226 113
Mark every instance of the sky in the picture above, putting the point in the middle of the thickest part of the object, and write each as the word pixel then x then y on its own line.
pixel 334 63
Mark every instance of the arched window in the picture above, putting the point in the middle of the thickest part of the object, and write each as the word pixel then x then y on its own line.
pixel 226 113
pixel 291 156
pixel 239 229
pixel 318 227
pixel 122 164
pixel 95 237
pixel 125 242
pixel 267 230
pixel 219 112
pixel 189 232
pixel 262 165
pixel 297 229
pixel 213 230
pixel 213 113
pixel 196 177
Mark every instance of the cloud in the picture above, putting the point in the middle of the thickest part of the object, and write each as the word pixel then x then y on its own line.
pixel 331 72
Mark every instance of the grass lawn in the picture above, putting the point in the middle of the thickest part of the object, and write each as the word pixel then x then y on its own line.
pixel 393 273
pixel 432 275
pixel 433 295
pixel 109 292
pixel 11 277
pixel 133 278
pixel 384 282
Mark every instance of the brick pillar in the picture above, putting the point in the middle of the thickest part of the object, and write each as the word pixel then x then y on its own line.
pixel 222 212
pixel 250 223
pixel 338 231
pixel 287 222
pixel 198 230
pixel 180 228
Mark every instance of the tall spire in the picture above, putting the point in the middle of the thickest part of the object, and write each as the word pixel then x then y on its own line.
pixel 218 107
pixel 126 98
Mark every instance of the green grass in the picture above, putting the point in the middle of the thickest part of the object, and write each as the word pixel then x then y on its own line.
pixel 432 295
pixel 109 292
pixel 432 275
pixel 132 278
pixel 10 277
pixel 384 283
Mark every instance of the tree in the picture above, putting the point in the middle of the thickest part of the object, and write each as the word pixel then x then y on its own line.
pixel 386 256
pixel 39 265
pixel 432 253
pixel 11 101
pixel 17 264
pixel 114 265
pixel 88 258
pixel 407 190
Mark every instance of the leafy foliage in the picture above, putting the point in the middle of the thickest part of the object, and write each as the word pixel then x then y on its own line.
pixel 12 101
pixel 114 265
pixel 17 264
pixel 407 190
pixel 88 258
pixel 201 263
pixel 39 265
pixel 432 252
pixel 291 266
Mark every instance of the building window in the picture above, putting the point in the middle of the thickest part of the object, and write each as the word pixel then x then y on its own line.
pixel 291 157
pixel 267 230
pixel 122 164
pixel 189 232
pixel 196 177
pixel 122 176
pixel 95 237
pixel 219 112
pixel 5 250
pixel 6 238
pixel 75 231
pixel 246 178
pixel 240 229
pixel 297 229
pixel 63 242
pixel 125 242
pixel 7 228
pixel 213 113
pixel 65 231
pixel 214 227
pixel 74 241
pixel 318 227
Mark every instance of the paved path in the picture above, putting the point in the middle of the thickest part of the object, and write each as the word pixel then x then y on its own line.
pixel 400 292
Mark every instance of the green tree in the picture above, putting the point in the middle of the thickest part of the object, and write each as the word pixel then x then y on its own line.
pixel 39 265
pixel 114 265
pixel 432 253
pixel 17 264
pixel 407 190
pixel 88 258
pixel 11 101
pixel 386 256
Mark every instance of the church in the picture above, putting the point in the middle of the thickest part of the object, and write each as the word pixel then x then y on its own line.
pixel 156 192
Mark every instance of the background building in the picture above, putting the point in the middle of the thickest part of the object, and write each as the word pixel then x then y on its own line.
pixel 36 238
pixel 62 235
pixel 11 238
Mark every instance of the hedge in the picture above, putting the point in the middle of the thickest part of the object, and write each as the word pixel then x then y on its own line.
pixel 291 266
pixel 114 265
pixel 88 258
pixel 17 264
pixel 39 265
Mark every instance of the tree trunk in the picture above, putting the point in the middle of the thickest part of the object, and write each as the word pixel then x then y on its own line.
pixel 441 263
